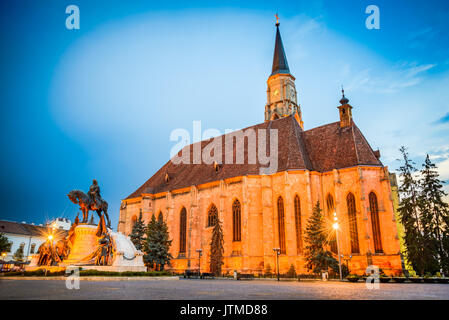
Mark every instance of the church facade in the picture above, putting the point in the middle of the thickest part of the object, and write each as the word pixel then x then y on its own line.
pixel 332 164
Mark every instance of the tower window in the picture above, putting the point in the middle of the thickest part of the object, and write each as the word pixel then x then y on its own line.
pixel 298 225
pixel 374 209
pixel 352 220
pixel 212 216
pixel 183 231
pixel 281 225
pixel 330 215
pixel 236 221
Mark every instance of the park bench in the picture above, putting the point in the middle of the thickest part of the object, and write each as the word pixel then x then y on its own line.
pixel 207 275
pixel 247 276
pixel 191 273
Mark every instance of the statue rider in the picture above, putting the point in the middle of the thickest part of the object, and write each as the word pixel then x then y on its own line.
pixel 94 192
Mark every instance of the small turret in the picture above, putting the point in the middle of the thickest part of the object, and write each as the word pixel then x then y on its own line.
pixel 345 111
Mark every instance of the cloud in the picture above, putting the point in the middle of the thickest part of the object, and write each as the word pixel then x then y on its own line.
pixel 443 119
pixel 388 80
pixel 421 38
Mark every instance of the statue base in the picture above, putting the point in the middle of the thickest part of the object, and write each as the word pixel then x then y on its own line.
pixel 125 257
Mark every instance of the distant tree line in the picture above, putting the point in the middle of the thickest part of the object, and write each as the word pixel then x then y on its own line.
pixel 425 216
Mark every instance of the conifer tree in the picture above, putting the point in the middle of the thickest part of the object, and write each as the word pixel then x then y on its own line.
pixel 137 233
pixel 419 248
pixel 268 271
pixel 317 257
pixel 157 244
pixel 5 245
pixel 18 255
pixel 216 249
pixel 435 212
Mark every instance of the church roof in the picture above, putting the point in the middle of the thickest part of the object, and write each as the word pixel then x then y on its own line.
pixel 320 149
pixel 280 64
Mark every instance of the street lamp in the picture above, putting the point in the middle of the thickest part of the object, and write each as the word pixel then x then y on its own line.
pixel 200 253
pixel 3 256
pixel 277 252
pixel 336 227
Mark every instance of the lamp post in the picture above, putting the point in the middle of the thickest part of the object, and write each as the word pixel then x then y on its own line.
pixel 277 252
pixel 336 227
pixel 200 252
pixel 3 256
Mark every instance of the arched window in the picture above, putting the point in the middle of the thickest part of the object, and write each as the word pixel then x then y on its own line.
pixel 212 216
pixel 281 225
pixel 182 230
pixel 160 217
pixel 374 209
pixel 236 221
pixel 133 220
pixel 330 214
pixel 352 220
pixel 298 225
pixel 33 247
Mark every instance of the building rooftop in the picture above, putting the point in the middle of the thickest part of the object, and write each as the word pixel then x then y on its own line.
pixel 25 229
pixel 320 149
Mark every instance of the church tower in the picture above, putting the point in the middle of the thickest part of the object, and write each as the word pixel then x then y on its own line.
pixel 345 111
pixel 281 92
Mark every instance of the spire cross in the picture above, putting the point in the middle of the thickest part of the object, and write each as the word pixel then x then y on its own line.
pixel 277 19
pixel 343 91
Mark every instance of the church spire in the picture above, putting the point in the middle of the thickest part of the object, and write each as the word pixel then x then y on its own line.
pixel 280 64
pixel 281 91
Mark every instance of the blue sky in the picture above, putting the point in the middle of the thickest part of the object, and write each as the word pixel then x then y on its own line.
pixel 100 102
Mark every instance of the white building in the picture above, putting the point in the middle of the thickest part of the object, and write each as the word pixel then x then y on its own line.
pixel 29 236
pixel 61 223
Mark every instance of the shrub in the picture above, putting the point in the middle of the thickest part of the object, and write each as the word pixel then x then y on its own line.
pixel 291 273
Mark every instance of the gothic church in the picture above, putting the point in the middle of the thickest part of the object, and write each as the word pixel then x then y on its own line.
pixel 332 164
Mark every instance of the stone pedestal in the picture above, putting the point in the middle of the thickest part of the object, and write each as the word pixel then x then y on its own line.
pixel 85 242
pixel 126 257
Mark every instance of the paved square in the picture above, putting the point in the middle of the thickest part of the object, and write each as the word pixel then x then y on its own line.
pixel 217 289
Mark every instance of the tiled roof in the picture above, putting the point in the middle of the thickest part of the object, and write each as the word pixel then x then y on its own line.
pixel 320 149
pixel 25 229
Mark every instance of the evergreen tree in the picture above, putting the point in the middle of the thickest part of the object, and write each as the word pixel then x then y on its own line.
pixel 317 257
pixel 5 245
pixel 157 244
pixel 291 273
pixel 419 247
pixel 216 249
pixel 18 255
pixel 137 233
pixel 268 271
pixel 435 212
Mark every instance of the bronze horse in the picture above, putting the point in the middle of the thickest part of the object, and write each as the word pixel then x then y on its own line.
pixel 86 204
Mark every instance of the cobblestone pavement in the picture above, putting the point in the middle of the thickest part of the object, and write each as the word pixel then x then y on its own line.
pixel 217 289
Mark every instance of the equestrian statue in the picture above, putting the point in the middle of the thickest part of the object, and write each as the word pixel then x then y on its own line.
pixel 91 201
